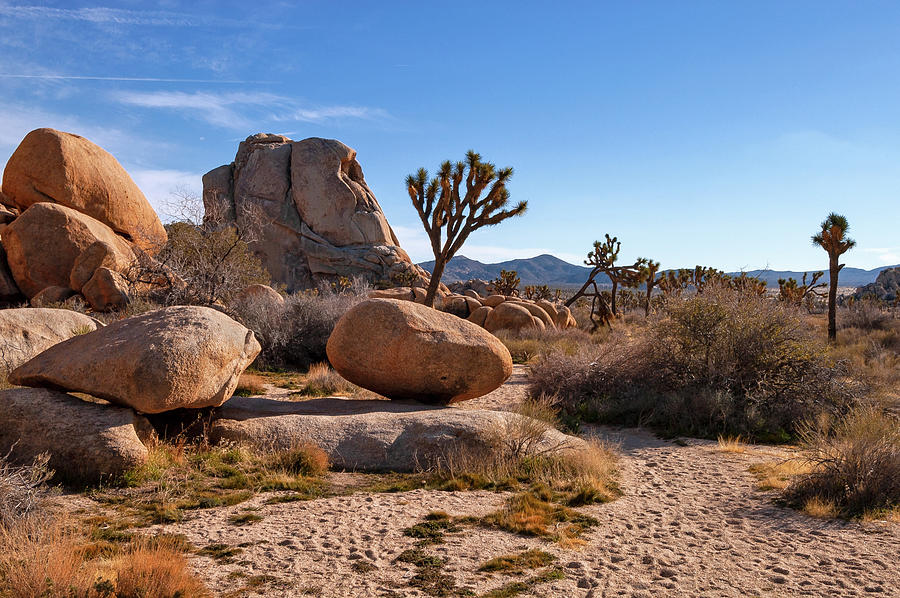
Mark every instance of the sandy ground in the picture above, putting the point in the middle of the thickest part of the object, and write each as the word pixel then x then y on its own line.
pixel 690 524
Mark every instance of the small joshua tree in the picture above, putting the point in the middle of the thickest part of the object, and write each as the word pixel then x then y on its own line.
pixel 507 283
pixel 648 270
pixel 833 239
pixel 796 294
pixel 450 214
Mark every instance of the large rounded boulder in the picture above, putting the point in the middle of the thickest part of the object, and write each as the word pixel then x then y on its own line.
pixel 403 350
pixel 27 331
pixel 57 167
pixel 177 357
pixel 44 243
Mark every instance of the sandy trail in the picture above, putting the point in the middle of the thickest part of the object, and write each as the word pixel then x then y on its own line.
pixel 690 524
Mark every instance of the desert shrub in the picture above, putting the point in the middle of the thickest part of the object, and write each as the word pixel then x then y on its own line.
pixel 214 262
pixel 295 333
pixel 865 314
pixel 23 489
pixel 855 465
pixel 720 362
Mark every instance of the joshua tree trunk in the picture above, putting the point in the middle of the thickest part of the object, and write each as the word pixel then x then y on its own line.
pixel 435 282
pixel 612 304
pixel 833 269
pixel 647 304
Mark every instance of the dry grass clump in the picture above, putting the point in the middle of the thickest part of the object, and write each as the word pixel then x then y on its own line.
pixel 732 444
pixel 720 362
pixel 295 333
pixel 873 356
pixel 537 512
pixel 581 473
pixel 49 559
pixel 249 385
pixel 322 381
pixel 778 475
pixel 855 465
pixel 179 476
pixel 518 563
pixel 526 345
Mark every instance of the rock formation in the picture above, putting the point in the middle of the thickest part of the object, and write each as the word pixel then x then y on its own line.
pixel 314 217
pixel 66 169
pixel 403 350
pixel 44 244
pixel 886 287
pixel 177 357
pixel 374 435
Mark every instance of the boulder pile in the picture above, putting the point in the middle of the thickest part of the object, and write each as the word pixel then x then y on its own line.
pixel 71 222
pixel 493 312
pixel 182 357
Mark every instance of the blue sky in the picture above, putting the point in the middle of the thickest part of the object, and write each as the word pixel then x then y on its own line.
pixel 716 133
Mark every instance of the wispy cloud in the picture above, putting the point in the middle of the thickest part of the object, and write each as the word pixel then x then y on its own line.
pixel 137 79
pixel 114 16
pixel 238 110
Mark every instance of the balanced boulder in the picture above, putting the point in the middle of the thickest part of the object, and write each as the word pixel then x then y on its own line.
pixel 25 332
pixel 87 442
pixel 403 350
pixel 177 357
pixel 66 169
pixel 43 244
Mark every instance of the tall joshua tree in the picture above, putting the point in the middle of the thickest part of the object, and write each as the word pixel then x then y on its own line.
pixel 833 239
pixel 450 213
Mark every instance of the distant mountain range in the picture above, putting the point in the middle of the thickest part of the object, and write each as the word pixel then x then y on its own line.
pixel 550 270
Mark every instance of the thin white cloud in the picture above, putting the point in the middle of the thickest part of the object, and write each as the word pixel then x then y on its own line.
pixel 137 79
pixel 114 16
pixel 238 110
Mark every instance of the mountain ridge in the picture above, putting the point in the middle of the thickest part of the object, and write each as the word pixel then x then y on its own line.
pixel 550 270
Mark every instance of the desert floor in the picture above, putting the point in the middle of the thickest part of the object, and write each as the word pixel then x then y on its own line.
pixel 691 523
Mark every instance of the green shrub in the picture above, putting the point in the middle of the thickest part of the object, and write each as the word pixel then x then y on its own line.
pixel 720 362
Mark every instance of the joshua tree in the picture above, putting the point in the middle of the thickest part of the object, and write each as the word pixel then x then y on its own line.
pixel 832 238
pixel 447 211
pixel 507 283
pixel 794 293
pixel 648 269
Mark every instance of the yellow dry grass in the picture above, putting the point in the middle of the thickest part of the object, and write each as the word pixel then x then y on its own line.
pixel 732 444
pixel 777 475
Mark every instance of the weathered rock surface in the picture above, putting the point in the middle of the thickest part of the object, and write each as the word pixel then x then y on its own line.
pixel 322 220
pixel 87 442
pixel 510 316
pixel 177 357
pixel 260 292
pixel 9 290
pixel 371 435
pixel 66 169
pixel 403 350
pixel 106 290
pixel 886 286
pixel 27 331
pixel 43 244
pixel 51 295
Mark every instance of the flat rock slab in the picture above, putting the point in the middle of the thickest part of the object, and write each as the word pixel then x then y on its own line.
pixel 371 435
pixel 87 442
